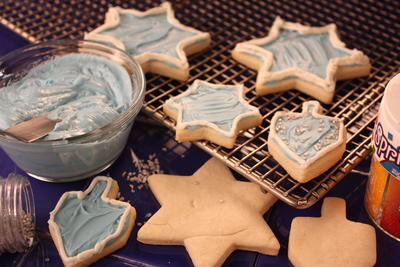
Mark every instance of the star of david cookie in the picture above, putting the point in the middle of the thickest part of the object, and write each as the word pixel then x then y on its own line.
pixel 88 225
pixel 155 38
pixel 308 143
pixel 331 240
pixel 211 214
pixel 309 59
pixel 213 112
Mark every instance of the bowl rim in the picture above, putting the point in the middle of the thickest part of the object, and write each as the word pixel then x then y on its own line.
pixel 121 120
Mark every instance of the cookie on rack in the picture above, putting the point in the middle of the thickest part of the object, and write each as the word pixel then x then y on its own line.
pixel 306 58
pixel 214 112
pixel 331 240
pixel 211 214
pixel 306 144
pixel 155 38
pixel 88 225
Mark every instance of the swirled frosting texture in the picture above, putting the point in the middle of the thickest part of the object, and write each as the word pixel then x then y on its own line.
pixel 85 222
pixel 85 91
pixel 148 34
pixel 311 52
pixel 219 106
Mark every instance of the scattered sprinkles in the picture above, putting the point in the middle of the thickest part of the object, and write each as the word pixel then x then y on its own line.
pixel 328 130
pixel 137 180
pixel 144 168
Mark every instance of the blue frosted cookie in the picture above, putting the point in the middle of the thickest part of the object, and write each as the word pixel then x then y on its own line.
pixel 306 58
pixel 306 144
pixel 88 225
pixel 215 112
pixel 155 38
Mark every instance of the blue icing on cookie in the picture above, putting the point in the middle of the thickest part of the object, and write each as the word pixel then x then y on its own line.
pixel 311 52
pixel 306 134
pixel 219 106
pixel 275 82
pixel 285 152
pixel 151 33
pixel 85 222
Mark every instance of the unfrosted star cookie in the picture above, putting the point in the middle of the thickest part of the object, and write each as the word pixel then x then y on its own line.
pixel 214 112
pixel 309 59
pixel 155 38
pixel 331 240
pixel 88 225
pixel 211 214
pixel 308 143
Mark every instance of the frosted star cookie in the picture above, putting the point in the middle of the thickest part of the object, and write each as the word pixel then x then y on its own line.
pixel 308 143
pixel 155 38
pixel 309 59
pixel 331 240
pixel 211 214
pixel 86 226
pixel 214 112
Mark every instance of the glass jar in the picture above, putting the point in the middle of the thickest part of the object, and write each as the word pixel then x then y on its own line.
pixel 17 214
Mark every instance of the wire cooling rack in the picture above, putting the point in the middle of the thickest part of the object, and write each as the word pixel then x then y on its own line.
pixel 369 25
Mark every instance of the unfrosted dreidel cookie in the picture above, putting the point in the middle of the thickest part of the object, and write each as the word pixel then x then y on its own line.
pixel 308 143
pixel 331 240
pixel 306 58
pixel 88 225
pixel 155 38
pixel 211 214
pixel 215 112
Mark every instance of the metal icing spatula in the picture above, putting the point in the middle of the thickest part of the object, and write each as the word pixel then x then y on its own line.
pixel 31 130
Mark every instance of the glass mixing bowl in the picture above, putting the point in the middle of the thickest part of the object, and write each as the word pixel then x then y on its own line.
pixel 81 156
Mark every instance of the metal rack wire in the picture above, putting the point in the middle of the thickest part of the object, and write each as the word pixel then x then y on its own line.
pixel 371 26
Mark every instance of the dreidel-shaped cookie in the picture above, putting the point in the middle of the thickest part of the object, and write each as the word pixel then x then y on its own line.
pixel 306 144
pixel 331 240
pixel 87 225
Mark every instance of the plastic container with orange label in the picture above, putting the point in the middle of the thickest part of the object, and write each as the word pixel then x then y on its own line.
pixel 382 198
